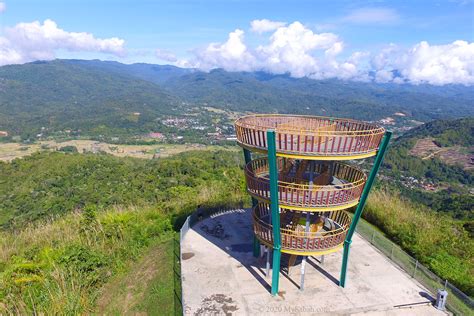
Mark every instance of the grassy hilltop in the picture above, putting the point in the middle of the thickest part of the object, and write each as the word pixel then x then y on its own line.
pixel 77 228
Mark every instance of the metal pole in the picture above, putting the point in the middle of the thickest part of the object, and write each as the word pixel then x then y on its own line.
pixel 267 270
pixel 272 164
pixel 414 270
pixel 256 242
pixel 248 159
pixel 360 206
pixel 322 260
pixel 303 262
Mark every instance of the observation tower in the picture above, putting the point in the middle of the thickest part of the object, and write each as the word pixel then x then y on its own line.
pixel 302 183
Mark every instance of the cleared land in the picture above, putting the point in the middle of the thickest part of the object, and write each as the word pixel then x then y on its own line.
pixel 426 148
pixel 10 151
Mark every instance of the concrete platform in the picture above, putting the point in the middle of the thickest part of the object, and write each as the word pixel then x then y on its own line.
pixel 221 277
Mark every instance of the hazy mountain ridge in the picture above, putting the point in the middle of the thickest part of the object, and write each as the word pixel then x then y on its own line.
pixel 95 96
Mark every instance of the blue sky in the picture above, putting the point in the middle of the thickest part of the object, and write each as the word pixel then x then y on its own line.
pixel 183 30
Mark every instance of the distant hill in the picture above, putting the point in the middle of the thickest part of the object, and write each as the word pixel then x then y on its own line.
pixel 149 72
pixel 99 97
pixel 433 164
pixel 445 132
pixel 65 95
pixel 264 92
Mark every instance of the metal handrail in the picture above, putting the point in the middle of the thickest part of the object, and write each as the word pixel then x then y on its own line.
pixel 364 127
pixel 306 195
pixel 311 135
pixel 320 242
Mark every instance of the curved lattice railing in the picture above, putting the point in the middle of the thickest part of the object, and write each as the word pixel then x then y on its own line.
pixel 310 135
pixel 299 194
pixel 294 239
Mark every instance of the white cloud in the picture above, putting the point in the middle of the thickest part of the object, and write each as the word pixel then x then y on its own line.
pixel 3 7
pixel 32 41
pixel 165 55
pixel 372 15
pixel 297 50
pixel 291 49
pixel 264 25
pixel 232 55
pixel 425 63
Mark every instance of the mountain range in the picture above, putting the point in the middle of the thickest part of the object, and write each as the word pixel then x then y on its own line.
pixel 96 96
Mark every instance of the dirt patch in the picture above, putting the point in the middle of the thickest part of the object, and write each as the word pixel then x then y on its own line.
pixel 10 151
pixel 187 255
pixel 456 156
pixel 217 304
pixel 426 148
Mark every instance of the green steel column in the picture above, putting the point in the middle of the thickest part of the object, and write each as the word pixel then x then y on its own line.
pixel 248 158
pixel 256 242
pixel 272 163
pixel 360 206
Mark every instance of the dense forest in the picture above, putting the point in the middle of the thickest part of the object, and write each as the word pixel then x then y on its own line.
pixel 62 182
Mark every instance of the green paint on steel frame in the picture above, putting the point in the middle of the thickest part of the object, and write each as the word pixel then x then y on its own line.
pixel 256 242
pixel 360 206
pixel 272 163
pixel 248 158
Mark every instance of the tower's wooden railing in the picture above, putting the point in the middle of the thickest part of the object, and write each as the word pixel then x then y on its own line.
pixel 310 135
pixel 301 242
pixel 300 193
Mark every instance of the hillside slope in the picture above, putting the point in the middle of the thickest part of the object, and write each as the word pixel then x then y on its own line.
pixel 60 95
pixel 432 164
pixel 72 223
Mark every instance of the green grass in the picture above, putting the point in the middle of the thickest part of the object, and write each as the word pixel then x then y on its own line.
pixel 146 288
pixel 436 240
pixel 60 267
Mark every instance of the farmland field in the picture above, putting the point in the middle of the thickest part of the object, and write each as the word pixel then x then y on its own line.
pixel 10 151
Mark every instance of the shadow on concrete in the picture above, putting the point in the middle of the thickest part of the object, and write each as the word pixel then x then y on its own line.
pixel 322 271
pixel 232 232
pixel 427 296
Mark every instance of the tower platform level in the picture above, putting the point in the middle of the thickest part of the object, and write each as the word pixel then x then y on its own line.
pixel 310 137
pixel 300 187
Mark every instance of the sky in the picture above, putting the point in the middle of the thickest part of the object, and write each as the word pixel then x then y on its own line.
pixel 386 41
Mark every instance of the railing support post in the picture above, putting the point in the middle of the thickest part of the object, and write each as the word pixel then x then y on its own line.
pixel 256 242
pixel 360 206
pixel 414 270
pixel 272 164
